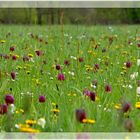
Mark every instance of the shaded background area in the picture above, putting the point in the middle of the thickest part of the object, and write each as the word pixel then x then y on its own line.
pixel 70 16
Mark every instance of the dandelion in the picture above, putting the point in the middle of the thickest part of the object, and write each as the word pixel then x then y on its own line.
pixel 41 122
pixel 42 99
pixel 9 99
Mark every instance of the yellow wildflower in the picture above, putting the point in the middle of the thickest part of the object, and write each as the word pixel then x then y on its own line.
pixel 19 67
pixel 124 52
pixel 54 104
pixel 124 68
pixel 94 54
pixel 137 105
pixel 25 67
pixel 17 112
pixel 81 52
pixel 90 121
pixel 30 55
pixel 72 94
pixel 2 41
pixel 30 122
pixel 21 110
pixel 37 82
pixel 88 67
pixel 28 65
pixel 53 66
pixel 97 98
pixel 138 38
pixel 29 130
pixel 17 56
pixel 89 51
pixel 118 106
pixel 23 125
pixel 28 72
pixel 55 110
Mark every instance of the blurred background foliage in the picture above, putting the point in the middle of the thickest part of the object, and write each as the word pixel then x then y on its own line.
pixel 70 16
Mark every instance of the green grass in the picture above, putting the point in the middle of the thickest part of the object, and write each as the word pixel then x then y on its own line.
pixel 59 48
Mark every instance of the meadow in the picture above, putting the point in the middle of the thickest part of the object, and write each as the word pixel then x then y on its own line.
pixel 69 78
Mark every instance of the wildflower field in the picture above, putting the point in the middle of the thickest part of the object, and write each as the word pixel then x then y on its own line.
pixel 69 78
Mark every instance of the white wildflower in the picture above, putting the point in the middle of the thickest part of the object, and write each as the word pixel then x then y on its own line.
pixel 71 73
pixel 17 126
pixel 31 60
pixel 12 108
pixel 130 86
pixel 138 62
pixel 41 122
pixel 99 59
pixel 73 57
pixel 105 109
pixel 134 75
pixel 93 86
pixel 51 78
pixel 138 90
